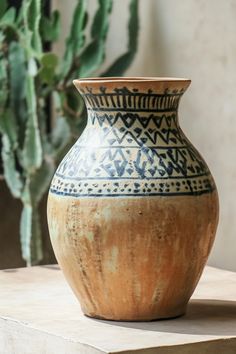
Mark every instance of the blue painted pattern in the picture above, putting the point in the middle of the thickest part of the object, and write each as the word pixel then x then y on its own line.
pixel 132 146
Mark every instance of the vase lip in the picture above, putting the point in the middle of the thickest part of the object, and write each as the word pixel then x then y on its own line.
pixel 130 79
pixel 131 85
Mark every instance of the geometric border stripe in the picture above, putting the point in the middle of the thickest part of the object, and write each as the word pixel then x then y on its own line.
pixel 53 191
pixel 139 187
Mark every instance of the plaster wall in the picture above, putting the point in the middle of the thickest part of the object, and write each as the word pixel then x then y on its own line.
pixel 194 39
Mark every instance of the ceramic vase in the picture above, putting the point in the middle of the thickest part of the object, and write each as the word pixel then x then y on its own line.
pixel 133 207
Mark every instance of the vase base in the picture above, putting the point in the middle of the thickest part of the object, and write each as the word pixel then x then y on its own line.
pixel 136 318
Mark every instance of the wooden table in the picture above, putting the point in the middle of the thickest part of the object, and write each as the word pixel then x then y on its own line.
pixel 40 315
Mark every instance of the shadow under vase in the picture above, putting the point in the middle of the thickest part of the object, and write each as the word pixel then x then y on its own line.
pixel 203 317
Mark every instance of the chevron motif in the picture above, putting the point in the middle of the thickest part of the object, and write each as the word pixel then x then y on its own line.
pixel 132 153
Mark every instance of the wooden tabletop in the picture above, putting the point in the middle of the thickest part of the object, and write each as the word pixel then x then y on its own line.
pixel 40 315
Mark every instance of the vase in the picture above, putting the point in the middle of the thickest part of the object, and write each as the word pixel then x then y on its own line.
pixel 133 207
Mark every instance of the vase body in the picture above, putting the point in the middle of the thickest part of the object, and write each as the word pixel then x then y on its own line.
pixel 132 208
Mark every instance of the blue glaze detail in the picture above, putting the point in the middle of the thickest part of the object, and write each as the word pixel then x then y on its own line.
pixel 128 149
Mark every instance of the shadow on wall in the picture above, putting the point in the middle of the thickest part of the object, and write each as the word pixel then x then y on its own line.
pixel 203 317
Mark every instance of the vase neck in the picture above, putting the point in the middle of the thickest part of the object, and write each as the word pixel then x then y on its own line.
pixel 134 123
pixel 132 100
pixel 133 113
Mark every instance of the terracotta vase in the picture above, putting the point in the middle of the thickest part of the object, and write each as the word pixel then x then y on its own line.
pixel 133 207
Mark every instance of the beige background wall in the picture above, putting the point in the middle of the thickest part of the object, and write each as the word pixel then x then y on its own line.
pixel 195 39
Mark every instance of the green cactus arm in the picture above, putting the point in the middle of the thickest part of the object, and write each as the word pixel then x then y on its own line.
pixel 8 130
pixel 33 24
pixel 8 127
pixel 48 62
pixel 30 28
pixel 25 232
pixel 12 176
pixel 32 150
pixel 76 39
pixel 30 235
pixel 123 62
pixel 30 231
pixel 17 78
pixel 8 18
pixel 17 90
pixel 3 82
pixel 94 54
pixel 31 156
pixel 9 23
pixel 3 7
pixel 50 27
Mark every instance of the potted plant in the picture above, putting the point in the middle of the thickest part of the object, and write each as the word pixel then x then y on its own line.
pixel 36 85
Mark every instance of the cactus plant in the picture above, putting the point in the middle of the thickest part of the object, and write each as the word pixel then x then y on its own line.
pixel 29 78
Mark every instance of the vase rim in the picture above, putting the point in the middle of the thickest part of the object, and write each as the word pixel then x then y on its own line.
pixel 135 79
